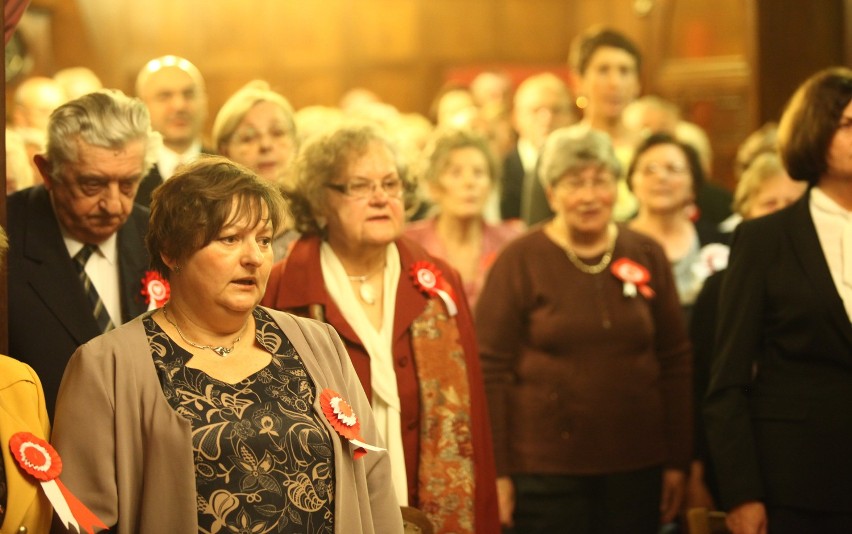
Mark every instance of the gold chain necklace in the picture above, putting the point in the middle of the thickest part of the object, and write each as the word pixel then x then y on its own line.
pixel 222 352
pixel 612 231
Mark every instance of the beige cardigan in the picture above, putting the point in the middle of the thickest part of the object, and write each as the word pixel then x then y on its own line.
pixel 128 455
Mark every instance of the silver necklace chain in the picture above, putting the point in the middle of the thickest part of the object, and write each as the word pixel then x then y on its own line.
pixel 220 351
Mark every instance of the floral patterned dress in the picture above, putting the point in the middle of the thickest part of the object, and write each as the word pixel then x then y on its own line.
pixel 264 461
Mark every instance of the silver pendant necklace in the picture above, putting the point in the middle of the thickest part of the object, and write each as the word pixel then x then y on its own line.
pixel 220 351
pixel 365 290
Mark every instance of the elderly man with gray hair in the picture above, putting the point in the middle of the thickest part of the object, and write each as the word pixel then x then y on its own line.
pixel 77 255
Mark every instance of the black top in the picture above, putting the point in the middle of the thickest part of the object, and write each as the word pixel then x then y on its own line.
pixel 264 461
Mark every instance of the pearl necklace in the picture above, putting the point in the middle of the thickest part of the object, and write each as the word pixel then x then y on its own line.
pixel 366 291
pixel 612 232
pixel 220 351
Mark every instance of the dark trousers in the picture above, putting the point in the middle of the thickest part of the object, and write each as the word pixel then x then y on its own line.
pixel 782 520
pixel 599 504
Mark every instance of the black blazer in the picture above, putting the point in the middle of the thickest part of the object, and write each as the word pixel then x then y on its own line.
pixel 511 185
pixel 49 313
pixel 781 434
pixel 152 180
pixel 147 186
pixel 513 201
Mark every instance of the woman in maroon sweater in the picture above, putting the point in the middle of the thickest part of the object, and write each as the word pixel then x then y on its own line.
pixel 586 360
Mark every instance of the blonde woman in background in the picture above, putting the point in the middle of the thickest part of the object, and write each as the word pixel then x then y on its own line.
pixel 255 128
pixel 460 173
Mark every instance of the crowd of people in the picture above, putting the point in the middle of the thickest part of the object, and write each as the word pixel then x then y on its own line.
pixel 520 315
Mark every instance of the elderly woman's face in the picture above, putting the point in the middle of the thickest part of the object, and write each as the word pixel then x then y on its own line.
pixel 774 193
pixel 231 271
pixel 263 141
pixel 662 180
pixel 365 215
pixel 583 199
pixel 840 149
pixel 463 186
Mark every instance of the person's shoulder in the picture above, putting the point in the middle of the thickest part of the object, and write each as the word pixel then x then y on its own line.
pixel 118 340
pixel 632 242
pixel 507 230
pixel 632 238
pixel 420 230
pixel 19 201
pixel 764 232
pixel 140 213
pixel 13 371
pixel 287 320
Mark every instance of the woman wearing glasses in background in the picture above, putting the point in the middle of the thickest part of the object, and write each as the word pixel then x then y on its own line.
pixel 404 320
pixel 665 175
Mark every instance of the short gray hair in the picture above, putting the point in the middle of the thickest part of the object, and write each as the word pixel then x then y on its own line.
pixel 574 148
pixel 106 118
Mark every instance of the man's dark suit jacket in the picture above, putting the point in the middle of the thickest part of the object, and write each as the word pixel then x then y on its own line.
pixel 512 195
pixel 152 180
pixel 147 186
pixel 781 436
pixel 49 312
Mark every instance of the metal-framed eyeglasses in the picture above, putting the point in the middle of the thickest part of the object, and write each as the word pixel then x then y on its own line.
pixel 360 189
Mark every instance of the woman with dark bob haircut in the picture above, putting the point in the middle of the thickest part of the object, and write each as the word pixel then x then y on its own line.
pixel 211 413
pixel 775 412
pixel 665 175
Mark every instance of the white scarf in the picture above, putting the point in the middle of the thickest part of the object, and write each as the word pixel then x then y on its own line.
pixel 379 346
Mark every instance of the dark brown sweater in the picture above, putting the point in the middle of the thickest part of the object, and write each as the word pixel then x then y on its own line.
pixel 580 378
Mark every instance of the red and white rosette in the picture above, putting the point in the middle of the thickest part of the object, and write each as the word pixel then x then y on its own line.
pixel 41 461
pixel 634 275
pixel 155 289
pixel 344 421
pixel 428 279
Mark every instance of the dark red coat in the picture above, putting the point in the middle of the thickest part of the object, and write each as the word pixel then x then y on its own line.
pixel 296 284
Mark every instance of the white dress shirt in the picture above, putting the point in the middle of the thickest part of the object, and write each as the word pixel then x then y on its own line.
pixel 834 228
pixel 169 159
pixel 102 269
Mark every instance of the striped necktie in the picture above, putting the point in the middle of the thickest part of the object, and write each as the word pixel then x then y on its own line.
pixel 98 309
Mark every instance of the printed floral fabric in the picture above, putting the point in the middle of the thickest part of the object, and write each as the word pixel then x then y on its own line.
pixel 446 449
pixel 263 458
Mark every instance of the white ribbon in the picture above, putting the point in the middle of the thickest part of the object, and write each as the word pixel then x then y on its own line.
pixel 60 505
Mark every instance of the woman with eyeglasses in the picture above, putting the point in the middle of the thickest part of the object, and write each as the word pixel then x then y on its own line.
pixel 664 176
pixel 256 128
pixel 586 360
pixel 403 318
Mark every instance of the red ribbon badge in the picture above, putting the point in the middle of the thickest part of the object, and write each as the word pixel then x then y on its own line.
pixel 41 461
pixel 428 279
pixel 155 289
pixel 634 276
pixel 342 418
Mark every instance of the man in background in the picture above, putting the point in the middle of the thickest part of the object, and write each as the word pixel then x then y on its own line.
pixel 542 104
pixel 77 255
pixel 173 90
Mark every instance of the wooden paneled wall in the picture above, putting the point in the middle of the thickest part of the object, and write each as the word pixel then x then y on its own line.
pixel 720 60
